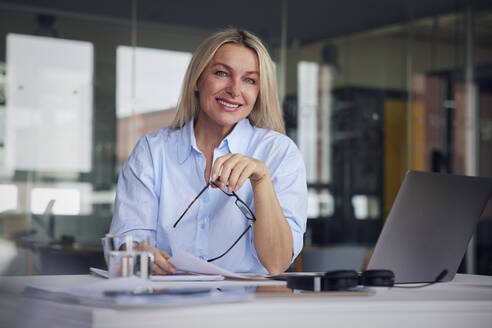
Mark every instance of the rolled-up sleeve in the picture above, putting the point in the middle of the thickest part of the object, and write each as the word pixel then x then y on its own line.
pixel 290 186
pixel 136 203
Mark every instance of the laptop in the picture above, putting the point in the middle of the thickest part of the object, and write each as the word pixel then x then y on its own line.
pixel 430 225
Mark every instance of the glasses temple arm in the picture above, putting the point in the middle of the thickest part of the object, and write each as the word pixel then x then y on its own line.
pixel 192 202
pixel 237 240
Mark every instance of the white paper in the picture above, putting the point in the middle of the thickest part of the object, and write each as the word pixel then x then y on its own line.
pixel 184 261
pixel 100 272
pixel 187 277
pixel 175 277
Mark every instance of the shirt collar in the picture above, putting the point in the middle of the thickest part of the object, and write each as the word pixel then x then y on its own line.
pixel 236 141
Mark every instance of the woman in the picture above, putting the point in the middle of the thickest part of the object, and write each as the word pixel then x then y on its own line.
pixel 228 132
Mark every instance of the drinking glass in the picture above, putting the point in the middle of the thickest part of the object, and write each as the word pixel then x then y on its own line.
pixel 130 255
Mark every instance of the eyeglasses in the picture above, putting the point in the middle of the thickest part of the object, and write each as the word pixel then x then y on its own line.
pixel 247 212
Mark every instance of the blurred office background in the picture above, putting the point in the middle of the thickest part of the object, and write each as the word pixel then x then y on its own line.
pixel 369 89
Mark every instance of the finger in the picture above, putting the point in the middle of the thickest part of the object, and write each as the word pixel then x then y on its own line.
pixel 235 174
pixel 245 174
pixel 227 168
pixel 157 270
pixel 142 246
pixel 260 170
pixel 163 266
pixel 162 253
pixel 218 166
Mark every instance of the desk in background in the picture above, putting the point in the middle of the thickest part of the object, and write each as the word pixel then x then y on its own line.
pixel 464 302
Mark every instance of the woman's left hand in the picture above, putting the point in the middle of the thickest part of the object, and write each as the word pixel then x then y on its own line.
pixel 234 169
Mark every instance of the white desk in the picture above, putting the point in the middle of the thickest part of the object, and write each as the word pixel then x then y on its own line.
pixel 464 302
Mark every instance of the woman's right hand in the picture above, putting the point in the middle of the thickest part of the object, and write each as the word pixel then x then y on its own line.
pixel 161 264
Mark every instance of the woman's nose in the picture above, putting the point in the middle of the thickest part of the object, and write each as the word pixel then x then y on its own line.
pixel 233 88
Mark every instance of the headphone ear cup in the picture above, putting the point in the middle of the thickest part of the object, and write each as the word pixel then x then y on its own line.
pixel 381 278
pixel 330 281
pixel 340 280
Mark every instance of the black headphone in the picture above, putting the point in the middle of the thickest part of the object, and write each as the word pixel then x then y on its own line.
pixel 341 280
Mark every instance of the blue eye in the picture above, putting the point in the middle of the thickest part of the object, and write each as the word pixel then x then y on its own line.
pixel 250 81
pixel 220 73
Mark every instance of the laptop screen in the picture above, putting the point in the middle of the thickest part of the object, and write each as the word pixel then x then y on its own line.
pixel 430 225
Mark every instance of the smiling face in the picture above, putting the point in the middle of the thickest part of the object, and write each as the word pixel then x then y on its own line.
pixel 229 86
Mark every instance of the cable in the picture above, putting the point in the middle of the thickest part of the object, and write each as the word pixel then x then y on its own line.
pixel 439 277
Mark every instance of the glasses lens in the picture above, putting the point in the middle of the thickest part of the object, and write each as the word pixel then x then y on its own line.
pixel 246 211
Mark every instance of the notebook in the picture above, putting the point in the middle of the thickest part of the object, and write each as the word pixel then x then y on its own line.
pixel 430 225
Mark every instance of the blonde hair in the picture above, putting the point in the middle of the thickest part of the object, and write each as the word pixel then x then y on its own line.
pixel 266 112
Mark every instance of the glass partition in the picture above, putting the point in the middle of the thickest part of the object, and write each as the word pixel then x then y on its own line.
pixel 79 86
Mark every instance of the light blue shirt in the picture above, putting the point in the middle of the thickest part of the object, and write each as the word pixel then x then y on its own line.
pixel 166 171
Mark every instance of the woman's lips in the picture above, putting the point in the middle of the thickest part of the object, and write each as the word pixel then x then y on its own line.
pixel 228 105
